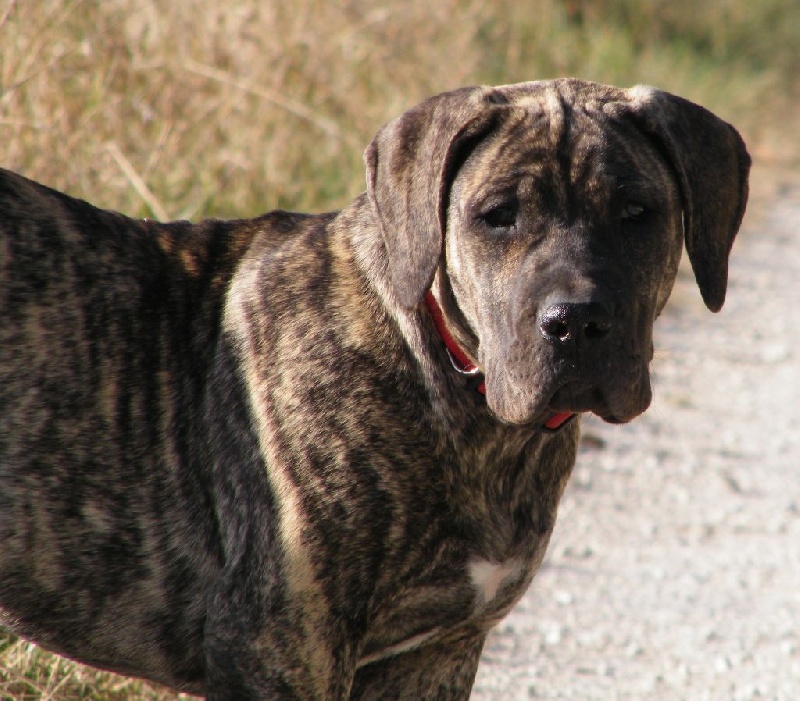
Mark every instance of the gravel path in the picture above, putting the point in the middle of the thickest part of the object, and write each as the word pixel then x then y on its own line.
pixel 674 570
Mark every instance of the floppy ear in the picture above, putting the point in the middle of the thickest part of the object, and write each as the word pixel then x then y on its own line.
pixel 711 162
pixel 410 163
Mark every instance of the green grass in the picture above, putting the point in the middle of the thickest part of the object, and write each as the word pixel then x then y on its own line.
pixel 197 108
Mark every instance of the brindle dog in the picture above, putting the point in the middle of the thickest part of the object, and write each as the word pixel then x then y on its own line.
pixel 235 456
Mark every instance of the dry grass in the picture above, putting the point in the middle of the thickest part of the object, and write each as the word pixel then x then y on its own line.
pixel 29 674
pixel 233 107
pixel 179 109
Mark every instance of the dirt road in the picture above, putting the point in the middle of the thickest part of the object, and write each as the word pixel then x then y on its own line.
pixel 674 570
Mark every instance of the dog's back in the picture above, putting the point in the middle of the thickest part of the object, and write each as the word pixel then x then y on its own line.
pixel 108 327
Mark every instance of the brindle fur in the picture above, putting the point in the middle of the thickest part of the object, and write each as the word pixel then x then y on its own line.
pixel 234 456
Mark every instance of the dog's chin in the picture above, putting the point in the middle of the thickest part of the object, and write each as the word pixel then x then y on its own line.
pixel 513 407
pixel 613 405
pixel 518 408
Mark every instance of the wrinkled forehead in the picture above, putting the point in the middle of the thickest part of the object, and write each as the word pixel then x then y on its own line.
pixel 571 90
pixel 544 136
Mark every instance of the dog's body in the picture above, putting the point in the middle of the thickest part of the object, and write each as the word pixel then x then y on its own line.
pixel 235 457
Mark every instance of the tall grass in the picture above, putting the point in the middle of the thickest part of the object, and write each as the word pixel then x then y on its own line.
pixel 232 107
pixel 213 106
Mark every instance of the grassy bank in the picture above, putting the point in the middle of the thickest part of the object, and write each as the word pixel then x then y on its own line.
pixel 230 108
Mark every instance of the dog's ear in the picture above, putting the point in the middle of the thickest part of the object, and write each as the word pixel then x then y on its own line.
pixel 712 165
pixel 410 164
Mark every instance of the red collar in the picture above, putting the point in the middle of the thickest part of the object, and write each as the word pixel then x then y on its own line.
pixel 464 366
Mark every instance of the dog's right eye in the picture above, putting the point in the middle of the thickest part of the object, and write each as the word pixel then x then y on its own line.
pixel 501 216
pixel 633 211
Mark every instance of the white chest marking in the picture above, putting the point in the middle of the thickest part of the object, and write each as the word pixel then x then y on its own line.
pixel 489 577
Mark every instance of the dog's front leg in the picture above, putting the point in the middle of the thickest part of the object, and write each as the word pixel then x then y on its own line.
pixel 265 645
pixel 442 671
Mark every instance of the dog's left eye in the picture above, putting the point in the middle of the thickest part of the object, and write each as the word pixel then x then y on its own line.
pixel 632 211
pixel 502 216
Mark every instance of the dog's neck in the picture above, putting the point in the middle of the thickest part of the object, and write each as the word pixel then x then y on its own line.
pixel 460 360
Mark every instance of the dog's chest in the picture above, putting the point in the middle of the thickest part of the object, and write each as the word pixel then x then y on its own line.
pixel 476 592
pixel 472 579
pixel 494 583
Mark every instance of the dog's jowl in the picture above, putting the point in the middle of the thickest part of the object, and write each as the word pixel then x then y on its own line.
pixel 319 456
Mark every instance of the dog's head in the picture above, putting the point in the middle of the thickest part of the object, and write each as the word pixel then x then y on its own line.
pixel 549 217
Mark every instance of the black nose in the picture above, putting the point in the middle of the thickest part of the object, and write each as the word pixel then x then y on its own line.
pixel 575 322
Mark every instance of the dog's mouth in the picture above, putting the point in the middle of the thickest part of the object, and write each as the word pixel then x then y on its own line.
pixel 578 397
pixel 570 400
pixel 548 399
pixel 581 396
